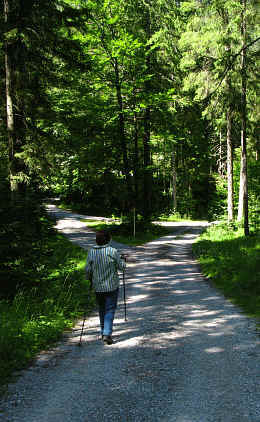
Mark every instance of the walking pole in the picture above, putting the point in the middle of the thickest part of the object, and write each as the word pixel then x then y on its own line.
pixel 85 316
pixel 124 294
pixel 122 256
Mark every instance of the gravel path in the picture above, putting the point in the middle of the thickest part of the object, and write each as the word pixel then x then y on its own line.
pixel 185 354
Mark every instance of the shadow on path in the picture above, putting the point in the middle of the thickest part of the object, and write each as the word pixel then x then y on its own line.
pixel 185 353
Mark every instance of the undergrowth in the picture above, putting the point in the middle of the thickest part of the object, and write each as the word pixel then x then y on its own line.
pixel 232 262
pixel 37 315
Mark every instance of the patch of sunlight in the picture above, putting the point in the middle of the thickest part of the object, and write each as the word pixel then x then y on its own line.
pixel 213 324
pixel 81 265
pixel 136 298
pixel 130 342
pixel 69 223
pixel 203 312
pixel 214 350
pixel 211 298
pixel 194 323
pixel 221 333
pixel 191 278
pixel 180 292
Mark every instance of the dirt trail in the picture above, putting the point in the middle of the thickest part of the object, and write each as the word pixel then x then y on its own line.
pixel 185 354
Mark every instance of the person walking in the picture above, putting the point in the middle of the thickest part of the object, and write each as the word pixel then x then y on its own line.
pixel 102 265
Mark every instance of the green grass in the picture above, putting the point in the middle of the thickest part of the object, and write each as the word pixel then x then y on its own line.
pixel 37 317
pixel 174 217
pixel 232 262
pixel 123 233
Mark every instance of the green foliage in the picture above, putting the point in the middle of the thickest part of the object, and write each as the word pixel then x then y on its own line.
pixel 34 68
pixel 23 229
pixel 115 89
pixel 173 217
pixel 48 301
pixel 231 261
pixel 218 204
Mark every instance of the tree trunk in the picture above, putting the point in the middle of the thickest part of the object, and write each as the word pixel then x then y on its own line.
pixel 230 168
pixel 9 103
pixel 121 125
pixel 15 121
pixel 147 163
pixel 174 181
pixel 230 196
pixel 136 160
pixel 243 191
pixel 147 181
pixel 220 160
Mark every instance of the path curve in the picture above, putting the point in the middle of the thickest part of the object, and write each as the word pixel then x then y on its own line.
pixel 185 354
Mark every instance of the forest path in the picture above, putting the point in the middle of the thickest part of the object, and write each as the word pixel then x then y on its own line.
pixel 186 354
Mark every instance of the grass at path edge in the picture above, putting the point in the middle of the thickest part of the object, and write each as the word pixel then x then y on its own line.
pixel 37 317
pixel 123 233
pixel 231 262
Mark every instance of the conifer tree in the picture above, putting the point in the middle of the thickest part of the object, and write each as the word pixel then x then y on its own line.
pixel 36 39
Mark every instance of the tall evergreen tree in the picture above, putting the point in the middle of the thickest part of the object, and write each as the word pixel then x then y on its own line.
pixel 36 39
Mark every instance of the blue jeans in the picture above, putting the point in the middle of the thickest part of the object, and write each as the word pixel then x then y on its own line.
pixel 107 303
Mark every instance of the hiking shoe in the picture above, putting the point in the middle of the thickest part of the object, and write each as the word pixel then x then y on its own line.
pixel 108 340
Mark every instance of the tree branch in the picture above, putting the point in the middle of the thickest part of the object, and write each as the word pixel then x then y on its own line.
pixel 230 65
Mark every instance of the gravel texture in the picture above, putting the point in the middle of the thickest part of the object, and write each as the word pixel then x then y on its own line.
pixel 185 354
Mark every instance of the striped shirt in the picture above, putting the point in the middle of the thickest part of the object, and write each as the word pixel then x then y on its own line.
pixel 102 265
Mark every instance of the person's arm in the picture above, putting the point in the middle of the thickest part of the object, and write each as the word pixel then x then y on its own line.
pixel 121 263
